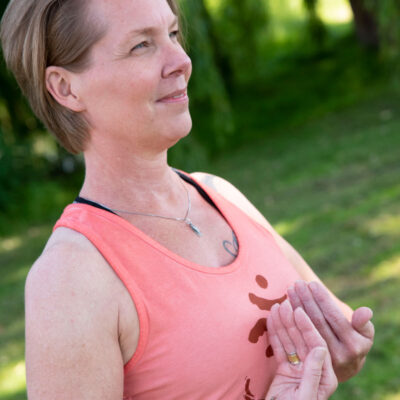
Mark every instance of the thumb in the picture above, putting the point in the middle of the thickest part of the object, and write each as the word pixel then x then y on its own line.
pixel 361 322
pixel 313 364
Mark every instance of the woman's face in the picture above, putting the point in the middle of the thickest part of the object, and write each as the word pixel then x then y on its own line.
pixel 135 89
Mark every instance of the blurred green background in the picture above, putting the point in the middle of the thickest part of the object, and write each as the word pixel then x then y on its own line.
pixel 294 101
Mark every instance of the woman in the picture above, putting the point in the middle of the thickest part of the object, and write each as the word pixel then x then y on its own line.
pixel 153 284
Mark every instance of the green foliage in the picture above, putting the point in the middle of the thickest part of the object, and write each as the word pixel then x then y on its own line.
pixel 315 26
pixel 240 26
pixel 388 12
pixel 16 165
pixel 207 89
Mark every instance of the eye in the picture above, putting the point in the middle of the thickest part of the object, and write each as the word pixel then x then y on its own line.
pixel 140 46
pixel 174 34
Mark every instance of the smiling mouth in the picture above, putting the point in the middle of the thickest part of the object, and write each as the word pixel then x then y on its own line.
pixel 176 98
pixel 179 96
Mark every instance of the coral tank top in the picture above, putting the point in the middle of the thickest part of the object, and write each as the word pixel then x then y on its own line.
pixel 202 329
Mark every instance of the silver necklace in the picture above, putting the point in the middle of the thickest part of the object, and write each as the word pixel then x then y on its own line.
pixel 185 219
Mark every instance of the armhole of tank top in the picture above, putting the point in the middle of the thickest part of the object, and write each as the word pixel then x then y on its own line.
pixel 127 281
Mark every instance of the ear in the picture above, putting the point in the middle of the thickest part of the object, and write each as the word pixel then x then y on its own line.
pixel 59 85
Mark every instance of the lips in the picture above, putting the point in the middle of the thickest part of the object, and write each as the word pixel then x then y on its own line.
pixel 174 96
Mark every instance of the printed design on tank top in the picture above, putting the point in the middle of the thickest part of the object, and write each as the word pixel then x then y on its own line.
pixel 260 327
pixel 248 394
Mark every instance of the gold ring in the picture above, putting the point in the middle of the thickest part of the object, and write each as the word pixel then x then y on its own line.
pixel 293 358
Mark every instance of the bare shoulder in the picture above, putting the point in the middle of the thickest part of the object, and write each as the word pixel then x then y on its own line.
pixel 229 191
pixel 234 195
pixel 69 261
pixel 72 317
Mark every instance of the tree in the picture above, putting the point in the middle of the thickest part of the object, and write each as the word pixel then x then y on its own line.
pixel 316 27
pixel 208 94
pixel 239 27
pixel 377 25
pixel 366 22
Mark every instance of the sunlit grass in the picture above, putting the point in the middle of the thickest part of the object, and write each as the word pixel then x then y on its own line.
pixel 395 396
pixel 386 224
pixel 17 253
pixel 11 243
pixel 288 227
pixel 12 378
pixel 387 269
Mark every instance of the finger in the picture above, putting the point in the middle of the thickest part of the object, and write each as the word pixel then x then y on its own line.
pixel 311 378
pixel 331 312
pixel 294 298
pixel 329 378
pixel 287 318
pixel 361 322
pixel 274 340
pixel 281 331
pixel 311 336
pixel 315 313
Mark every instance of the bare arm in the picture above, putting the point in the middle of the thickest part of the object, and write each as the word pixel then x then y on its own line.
pixel 72 346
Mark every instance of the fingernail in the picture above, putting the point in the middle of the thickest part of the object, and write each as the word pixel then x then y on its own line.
pixel 313 285
pixel 299 310
pixel 372 313
pixel 286 304
pixel 274 307
pixel 300 283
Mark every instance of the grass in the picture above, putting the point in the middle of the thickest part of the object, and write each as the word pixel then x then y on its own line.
pixel 331 187
pixel 17 253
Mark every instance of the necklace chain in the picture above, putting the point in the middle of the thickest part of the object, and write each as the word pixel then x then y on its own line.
pixel 185 219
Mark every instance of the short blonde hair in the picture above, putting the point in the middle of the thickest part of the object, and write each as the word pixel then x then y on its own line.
pixel 36 34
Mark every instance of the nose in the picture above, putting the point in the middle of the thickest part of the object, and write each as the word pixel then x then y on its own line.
pixel 177 62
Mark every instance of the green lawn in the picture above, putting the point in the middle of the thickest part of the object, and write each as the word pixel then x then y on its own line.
pixel 331 186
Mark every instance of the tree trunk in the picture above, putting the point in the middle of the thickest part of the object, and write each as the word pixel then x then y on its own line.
pixel 365 23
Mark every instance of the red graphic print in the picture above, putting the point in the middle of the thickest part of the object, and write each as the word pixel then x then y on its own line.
pixel 260 326
pixel 248 395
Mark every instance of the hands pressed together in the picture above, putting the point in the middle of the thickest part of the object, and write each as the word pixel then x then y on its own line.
pixel 329 347
pixel 348 342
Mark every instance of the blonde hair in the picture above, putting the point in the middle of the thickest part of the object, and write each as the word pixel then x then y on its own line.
pixel 36 34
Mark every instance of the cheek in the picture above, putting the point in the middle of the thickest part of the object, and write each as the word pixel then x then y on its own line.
pixel 142 86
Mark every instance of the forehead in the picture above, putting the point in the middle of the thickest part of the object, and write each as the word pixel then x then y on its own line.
pixel 122 16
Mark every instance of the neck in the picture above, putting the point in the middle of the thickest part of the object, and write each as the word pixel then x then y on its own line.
pixel 131 182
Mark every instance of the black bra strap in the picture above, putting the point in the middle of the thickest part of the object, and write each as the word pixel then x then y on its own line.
pixel 202 192
pixel 185 177
pixel 82 200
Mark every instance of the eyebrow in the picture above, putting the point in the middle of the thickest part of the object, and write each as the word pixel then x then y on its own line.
pixel 148 29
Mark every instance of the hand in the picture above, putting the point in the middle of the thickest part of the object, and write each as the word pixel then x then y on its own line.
pixel 348 342
pixel 313 378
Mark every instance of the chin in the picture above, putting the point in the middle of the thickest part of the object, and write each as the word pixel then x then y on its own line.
pixel 179 129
